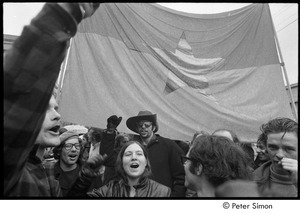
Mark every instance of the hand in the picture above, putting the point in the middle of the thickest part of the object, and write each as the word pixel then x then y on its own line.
pixel 94 165
pixel 289 164
pixel 292 166
pixel 88 8
pixel 112 123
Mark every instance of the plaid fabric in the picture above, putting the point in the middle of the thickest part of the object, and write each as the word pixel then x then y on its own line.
pixel 37 180
pixel 31 68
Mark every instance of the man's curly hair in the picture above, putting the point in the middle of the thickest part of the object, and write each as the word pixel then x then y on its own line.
pixel 221 159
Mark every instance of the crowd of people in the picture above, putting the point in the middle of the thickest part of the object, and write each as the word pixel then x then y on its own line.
pixel 42 158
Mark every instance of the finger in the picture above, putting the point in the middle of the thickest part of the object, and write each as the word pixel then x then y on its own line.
pixel 290 168
pixel 289 160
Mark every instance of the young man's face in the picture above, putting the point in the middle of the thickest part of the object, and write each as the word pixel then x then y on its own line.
pixel 261 152
pixel 49 133
pixel 145 128
pixel 134 161
pixel 280 145
pixel 69 155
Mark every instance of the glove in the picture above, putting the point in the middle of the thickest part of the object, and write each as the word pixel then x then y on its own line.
pixel 113 122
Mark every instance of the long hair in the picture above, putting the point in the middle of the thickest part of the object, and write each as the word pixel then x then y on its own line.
pixel 221 159
pixel 119 162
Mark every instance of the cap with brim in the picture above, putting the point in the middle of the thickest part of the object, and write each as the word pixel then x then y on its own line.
pixel 67 135
pixel 142 115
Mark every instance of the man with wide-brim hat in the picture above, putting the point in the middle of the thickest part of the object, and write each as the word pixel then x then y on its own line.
pixel 132 122
pixel 164 154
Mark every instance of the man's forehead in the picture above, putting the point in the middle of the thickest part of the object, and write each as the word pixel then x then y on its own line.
pixel 72 140
pixel 289 138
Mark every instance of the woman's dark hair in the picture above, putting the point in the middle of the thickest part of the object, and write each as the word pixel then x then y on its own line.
pixel 221 159
pixel 119 162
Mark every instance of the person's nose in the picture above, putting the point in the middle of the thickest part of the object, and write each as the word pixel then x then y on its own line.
pixel 280 154
pixel 73 148
pixel 56 116
pixel 134 156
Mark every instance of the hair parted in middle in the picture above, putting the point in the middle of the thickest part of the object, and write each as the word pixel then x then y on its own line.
pixel 119 162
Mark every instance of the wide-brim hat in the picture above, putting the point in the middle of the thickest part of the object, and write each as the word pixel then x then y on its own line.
pixel 142 115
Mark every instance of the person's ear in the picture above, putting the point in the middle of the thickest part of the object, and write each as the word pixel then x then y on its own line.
pixel 199 169
pixel 153 128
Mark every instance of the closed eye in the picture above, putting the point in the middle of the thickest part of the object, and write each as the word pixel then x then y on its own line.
pixel 289 148
pixel 127 153
pixel 273 147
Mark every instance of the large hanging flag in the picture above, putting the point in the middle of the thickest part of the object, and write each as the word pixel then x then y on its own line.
pixel 196 72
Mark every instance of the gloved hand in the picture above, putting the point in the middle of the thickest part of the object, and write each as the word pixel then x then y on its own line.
pixel 112 123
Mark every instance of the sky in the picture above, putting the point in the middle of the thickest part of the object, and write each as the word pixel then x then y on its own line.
pixel 285 18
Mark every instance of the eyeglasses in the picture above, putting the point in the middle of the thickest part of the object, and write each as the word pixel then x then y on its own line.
pixel 146 124
pixel 69 146
pixel 185 158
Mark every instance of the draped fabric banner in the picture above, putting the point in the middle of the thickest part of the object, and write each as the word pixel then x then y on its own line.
pixel 196 72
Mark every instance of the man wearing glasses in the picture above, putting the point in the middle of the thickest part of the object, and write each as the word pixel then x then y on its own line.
pixel 164 154
pixel 67 167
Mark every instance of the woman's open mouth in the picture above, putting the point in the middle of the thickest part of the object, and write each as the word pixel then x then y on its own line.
pixel 134 166
pixel 55 130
